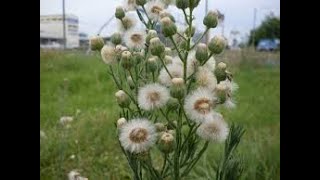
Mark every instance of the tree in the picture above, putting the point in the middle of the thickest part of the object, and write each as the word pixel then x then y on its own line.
pixel 269 28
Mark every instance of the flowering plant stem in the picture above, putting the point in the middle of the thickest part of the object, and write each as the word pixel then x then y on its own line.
pixel 169 108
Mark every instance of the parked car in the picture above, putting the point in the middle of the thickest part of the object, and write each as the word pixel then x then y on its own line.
pixel 267 45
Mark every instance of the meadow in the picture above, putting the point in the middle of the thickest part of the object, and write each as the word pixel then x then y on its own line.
pixel 78 85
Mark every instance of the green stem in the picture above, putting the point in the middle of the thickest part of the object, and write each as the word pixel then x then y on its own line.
pixel 210 55
pixel 176 47
pixel 161 59
pixel 194 161
pixel 164 164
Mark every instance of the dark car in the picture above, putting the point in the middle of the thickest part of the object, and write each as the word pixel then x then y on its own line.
pixel 267 45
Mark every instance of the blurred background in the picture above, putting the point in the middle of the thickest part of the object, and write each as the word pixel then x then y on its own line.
pixel 74 83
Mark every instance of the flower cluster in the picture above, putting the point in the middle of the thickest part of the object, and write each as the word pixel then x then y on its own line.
pixel 168 92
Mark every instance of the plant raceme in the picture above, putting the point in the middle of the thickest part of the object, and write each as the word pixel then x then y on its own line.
pixel 168 88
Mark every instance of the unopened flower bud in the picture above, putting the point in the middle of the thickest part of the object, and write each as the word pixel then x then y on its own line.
pixel 183 45
pixel 217 44
pixel 168 59
pixel 96 43
pixel 166 142
pixel 160 127
pixel 222 66
pixel 116 38
pixel 127 22
pixel 187 31
pixel 173 103
pixel 152 63
pixel 141 2
pixel 168 51
pixel 220 72
pixel 194 3
pixel 122 99
pixel 164 14
pixel 137 57
pixel 121 122
pixel 202 52
pixel 151 34
pixel 126 59
pixel 211 19
pixel 178 89
pixel 169 28
pixel 119 13
pixel 156 47
pixel 182 4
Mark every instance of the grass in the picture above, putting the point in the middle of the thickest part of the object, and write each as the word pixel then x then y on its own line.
pixel 73 81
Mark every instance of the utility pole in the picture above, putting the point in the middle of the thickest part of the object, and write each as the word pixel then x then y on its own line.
pixel 206 12
pixel 64 25
pixel 254 25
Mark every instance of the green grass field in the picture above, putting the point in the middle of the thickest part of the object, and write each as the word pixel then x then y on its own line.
pixel 70 82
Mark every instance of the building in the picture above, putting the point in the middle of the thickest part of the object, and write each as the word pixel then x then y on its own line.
pixel 51 31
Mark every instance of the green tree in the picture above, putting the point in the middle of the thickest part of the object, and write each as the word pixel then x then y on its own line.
pixel 269 28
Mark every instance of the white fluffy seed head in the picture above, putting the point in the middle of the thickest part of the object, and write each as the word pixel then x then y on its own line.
pixel 129 5
pixel 75 175
pixel 108 54
pixel 154 8
pixel 205 78
pixel 66 119
pixel 137 135
pixel 199 104
pixel 128 22
pixel 230 103
pixel 152 96
pixel 230 86
pixel 175 70
pixel 135 38
pixel 214 129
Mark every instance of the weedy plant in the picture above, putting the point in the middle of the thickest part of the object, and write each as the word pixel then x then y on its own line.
pixel 169 90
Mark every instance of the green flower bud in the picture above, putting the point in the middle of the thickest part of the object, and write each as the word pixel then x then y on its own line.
pixel 168 51
pixel 173 103
pixel 151 34
pixel 141 2
pixel 116 38
pixel 119 13
pixel 187 31
pixel 178 88
pixel 96 43
pixel 160 127
pixel 121 122
pixel 169 28
pixel 137 57
pixel 164 14
pixel 166 143
pixel 127 22
pixel 220 72
pixel 168 59
pixel 183 45
pixel 217 44
pixel 211 19
pixel 194 3
pixel 156 47
pixel 202 52
pixel 182 4
pixel 122 99
pixel 126 59
pixel 152 64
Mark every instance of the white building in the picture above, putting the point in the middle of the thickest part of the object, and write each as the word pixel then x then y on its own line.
pixel 51 31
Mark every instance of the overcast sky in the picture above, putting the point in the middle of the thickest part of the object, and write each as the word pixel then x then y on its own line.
pixel 94 13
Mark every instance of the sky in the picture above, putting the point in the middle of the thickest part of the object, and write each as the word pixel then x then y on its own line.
pixel 92 14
